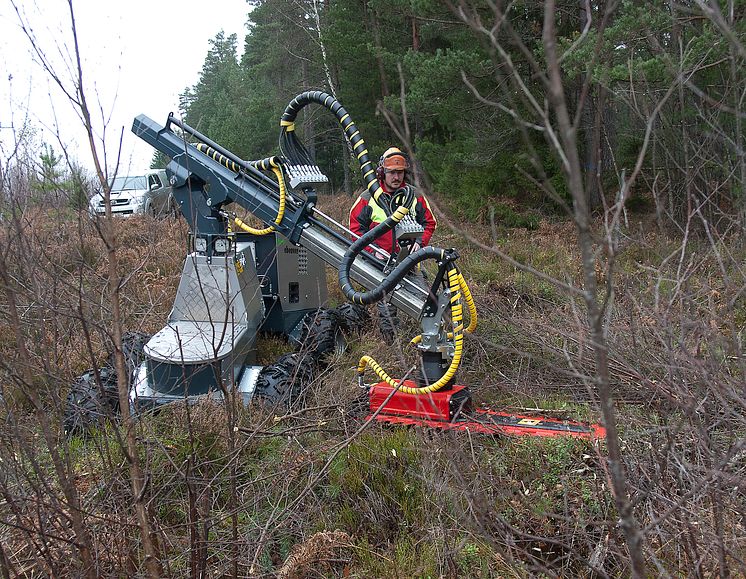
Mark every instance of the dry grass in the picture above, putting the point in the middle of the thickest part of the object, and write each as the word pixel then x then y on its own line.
pixel 234 486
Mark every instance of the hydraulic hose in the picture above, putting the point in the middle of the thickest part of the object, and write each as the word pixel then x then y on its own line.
pixel 454 284
pixel 270 163
pixel 470 304
pixel 466 293
pixel 294 150
pixel 395 276
pixel 261 164
pixel 296 153
pixel 280 210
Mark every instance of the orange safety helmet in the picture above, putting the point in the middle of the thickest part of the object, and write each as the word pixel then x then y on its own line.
pixel 393 159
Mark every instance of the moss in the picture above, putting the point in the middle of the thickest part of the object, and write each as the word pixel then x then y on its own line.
pixel 379 470
pixel 406 557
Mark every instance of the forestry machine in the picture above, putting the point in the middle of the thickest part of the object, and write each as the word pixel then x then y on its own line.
pixel 238 280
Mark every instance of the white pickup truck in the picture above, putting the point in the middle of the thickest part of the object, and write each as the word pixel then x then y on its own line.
pixel 148 192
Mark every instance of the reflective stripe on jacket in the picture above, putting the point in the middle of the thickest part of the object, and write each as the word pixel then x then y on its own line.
pixel 366 214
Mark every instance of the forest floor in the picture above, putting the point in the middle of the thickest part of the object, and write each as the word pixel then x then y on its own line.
pixel 307 493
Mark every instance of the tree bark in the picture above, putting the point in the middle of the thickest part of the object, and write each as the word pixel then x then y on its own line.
pixel 379 59
pixel 567 133
pixel 108 235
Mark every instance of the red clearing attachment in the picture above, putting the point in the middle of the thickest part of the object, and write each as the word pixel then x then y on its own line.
pixel 452 410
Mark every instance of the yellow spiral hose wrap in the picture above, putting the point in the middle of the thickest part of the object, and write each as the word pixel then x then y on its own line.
pixel 459 289
pixel 280 211
pixel 264 165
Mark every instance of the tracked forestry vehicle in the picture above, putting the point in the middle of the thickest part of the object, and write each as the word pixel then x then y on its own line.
pixel 239 281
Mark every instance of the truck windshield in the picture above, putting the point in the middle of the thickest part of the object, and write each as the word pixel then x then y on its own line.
pixel 129 183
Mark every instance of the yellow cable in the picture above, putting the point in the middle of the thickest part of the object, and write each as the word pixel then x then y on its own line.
pixel 280 212
pixel 470 303
pixel 376 367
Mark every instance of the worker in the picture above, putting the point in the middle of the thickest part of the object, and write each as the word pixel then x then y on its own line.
pixel 392 173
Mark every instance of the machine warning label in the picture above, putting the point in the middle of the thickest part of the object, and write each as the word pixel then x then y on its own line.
pixel 240 262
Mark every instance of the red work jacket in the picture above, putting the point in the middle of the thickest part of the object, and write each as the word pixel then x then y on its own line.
pixel 366 214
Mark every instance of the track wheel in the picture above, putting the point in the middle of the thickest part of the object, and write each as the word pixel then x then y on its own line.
pixel 133 345
pixel 352 317
pixel 321 335
pixel 284 381
pixel 88 405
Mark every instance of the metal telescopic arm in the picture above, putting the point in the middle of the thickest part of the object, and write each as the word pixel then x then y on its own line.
pixel 202 186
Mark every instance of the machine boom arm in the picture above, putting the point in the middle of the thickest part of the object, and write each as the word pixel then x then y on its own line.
pixel 202 186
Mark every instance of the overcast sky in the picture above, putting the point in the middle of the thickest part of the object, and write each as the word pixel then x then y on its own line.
pixel 137 56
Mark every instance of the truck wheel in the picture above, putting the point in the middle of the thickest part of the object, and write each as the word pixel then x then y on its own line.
pixel 133 345
pixel 284 381
pixel 321 335
pixel 89 406
pixel 352 317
